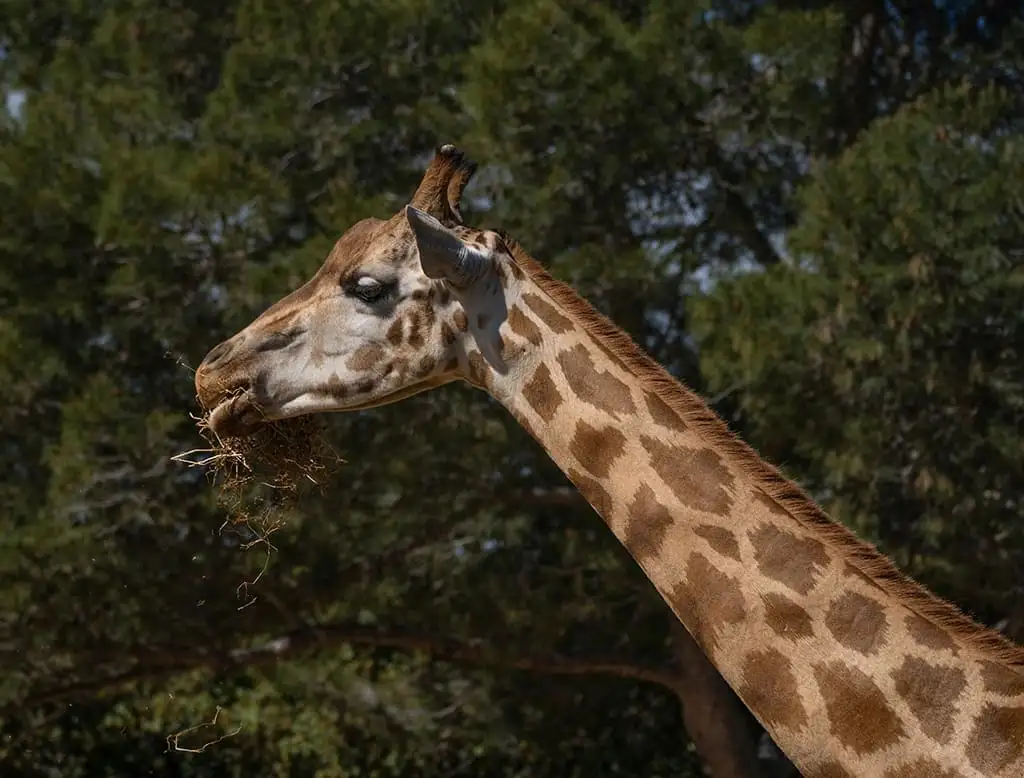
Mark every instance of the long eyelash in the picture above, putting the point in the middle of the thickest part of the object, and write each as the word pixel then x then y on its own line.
pixel 385 291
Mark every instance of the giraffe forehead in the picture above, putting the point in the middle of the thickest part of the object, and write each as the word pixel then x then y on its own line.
pixel 395 261
pixel 360 243
pixel 364 245
pixel 381 249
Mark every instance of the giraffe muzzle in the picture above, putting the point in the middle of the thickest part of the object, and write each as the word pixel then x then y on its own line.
pixel 236 417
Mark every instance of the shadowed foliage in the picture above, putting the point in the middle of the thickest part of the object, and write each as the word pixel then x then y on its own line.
pixel 809 211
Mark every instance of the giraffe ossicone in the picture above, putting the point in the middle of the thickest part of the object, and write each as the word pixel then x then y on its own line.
pixel 855 669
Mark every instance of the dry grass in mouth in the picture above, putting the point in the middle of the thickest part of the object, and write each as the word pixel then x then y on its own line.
pixel 281 455
pixel 259 475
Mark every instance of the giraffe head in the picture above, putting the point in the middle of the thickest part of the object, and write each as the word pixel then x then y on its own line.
pixel 395 309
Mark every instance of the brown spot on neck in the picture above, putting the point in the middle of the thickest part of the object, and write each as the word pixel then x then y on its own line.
pixel 662 414
pixel 597 449
pixel 857 623
pixel 593 492
pixel 520 325
pixel 478 372
pixel 547 313
pixel 429 317
pixel 720 539
pixel 786 618
pixel 542 394
pixel 791 560
pixel 336 387
pixel 929 635
pixel 707 601
pixel 758 496
pixel 597 388
pixel 931 692
pixel 769 689
pixel 997 740
pixel 649 520
pixel 447 334
pixel 829 770
pixel 696 476
pixel 921 768
pixel 523 326
pixel 425 366
pixel 859 715
pixel 1002 680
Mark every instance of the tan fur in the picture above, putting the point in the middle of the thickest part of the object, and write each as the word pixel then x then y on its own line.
pixel 835 650
pixel 784 492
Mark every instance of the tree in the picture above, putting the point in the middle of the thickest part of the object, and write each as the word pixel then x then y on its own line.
pixel 168 169
pixel 887 370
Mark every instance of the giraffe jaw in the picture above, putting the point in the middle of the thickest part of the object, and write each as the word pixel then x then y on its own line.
pixel 241 415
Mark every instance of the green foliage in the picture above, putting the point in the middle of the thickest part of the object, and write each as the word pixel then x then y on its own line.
pixel 446 606
pixel 884 357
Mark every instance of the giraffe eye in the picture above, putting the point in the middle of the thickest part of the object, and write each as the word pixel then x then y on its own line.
pixel 369 289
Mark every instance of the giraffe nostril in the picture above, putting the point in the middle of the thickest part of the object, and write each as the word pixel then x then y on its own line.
pixel 217 354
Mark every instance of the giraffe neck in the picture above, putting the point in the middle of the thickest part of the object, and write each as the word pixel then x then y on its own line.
pixel 852 668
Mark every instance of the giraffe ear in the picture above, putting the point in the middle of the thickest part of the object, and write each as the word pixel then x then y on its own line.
pixel 443 255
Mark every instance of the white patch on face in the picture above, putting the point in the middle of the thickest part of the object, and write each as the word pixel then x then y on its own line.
pixel 487 304
pixel 317 377
pixel 412 280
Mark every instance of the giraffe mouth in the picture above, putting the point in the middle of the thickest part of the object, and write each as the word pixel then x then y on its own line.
pixel 241 415
pixel 236 417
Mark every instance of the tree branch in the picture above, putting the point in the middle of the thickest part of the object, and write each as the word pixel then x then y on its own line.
pixel 744 220
pixel 154 665
pixel 851 83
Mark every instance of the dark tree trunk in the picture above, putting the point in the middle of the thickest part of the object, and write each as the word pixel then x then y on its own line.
pixel 722 729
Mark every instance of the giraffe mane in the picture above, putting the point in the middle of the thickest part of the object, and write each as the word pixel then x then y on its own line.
pixel 787 494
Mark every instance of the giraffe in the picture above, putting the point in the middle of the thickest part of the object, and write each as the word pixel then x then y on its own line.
pixel 852 667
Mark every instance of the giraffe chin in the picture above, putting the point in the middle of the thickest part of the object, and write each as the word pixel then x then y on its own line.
pixel 241 416
pixel 236 417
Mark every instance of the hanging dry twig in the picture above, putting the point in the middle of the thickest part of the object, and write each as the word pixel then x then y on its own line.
pixel 279 456
pixel 173 741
